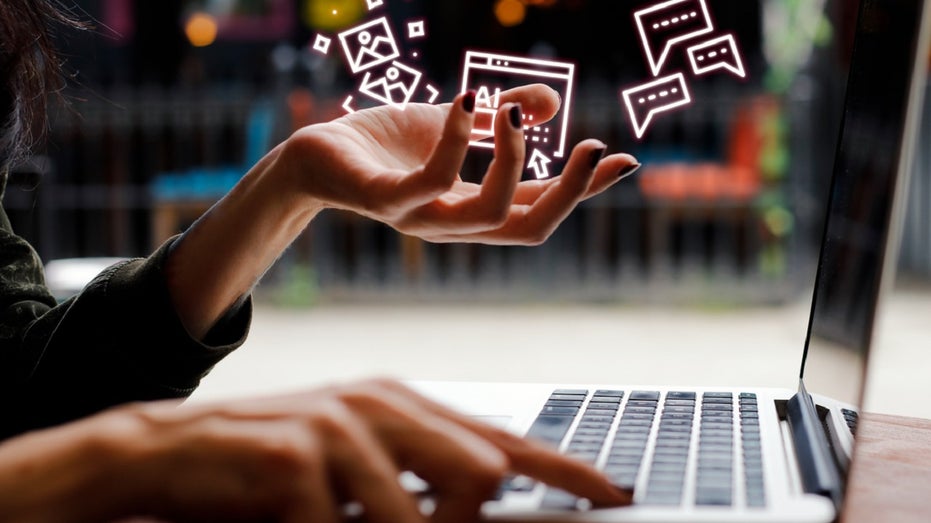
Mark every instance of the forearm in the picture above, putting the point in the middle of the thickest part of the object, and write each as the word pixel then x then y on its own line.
pixel 222 256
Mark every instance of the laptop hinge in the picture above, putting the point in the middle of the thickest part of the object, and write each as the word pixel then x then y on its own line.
pixel 817 468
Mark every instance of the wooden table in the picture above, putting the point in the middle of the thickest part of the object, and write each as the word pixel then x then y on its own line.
pixel 891 476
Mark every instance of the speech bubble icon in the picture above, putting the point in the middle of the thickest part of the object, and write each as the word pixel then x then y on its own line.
pixel 719 53
pixel 646 101
pixel 665 25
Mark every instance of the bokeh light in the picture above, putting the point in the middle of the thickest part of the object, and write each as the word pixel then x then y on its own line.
pixel 332 15
pixel 510 12
pixel 201 29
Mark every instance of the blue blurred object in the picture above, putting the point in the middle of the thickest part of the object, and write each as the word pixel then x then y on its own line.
pixel 211 183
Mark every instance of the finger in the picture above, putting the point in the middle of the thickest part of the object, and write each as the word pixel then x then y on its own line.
pixel 463 469
pixel 368 475
pixel 538 101
pixel 488 209
pixel 317 501
pixel 534 224
pixel 610 170
pixel 528 457
pixel 444 164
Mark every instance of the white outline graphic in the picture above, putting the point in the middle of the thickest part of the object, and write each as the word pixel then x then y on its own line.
pixel 434 93
pixel 347 105
pixel 369 55
pixel 416 29
pixel 722 53
pixel 383 88
pixel 520 66
pixel 372 4
pixel 322 44
pixel 656 64
pixel 539 163
pixel 651 95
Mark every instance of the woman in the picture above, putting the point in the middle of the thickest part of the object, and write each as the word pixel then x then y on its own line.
pixel 81 447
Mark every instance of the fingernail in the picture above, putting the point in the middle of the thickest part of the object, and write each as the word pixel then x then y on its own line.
pixel 623 490
pixel 627 171
pixel 517 117
pixel 596 156
pixel 468 101
pixel 618 496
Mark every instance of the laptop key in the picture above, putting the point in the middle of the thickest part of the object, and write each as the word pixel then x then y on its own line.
pixel 606 399
pixel 564 403
pixel 713 496
pixel 679 395
pixel 550 429
pixel 571 392
pixel 645 395
pixel 557 499
pixel 602 406
pixel 602 392
pixel 561 411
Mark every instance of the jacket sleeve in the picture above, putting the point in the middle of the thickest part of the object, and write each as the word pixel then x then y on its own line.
pixel 117 341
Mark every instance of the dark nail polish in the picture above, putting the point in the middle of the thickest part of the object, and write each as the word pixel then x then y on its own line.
pixel 627 171
pixel 596 156
pixel 517 117
pixel 468 101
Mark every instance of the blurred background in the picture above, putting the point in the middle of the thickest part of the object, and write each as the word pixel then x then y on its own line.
pixel 701 262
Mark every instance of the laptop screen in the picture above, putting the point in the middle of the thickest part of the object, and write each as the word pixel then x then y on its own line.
pixel 871 161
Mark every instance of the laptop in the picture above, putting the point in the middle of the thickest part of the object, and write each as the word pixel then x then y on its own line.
pixel 751 454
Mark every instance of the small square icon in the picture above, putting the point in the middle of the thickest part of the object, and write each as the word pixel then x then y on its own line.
pixel 322 44
pixel 374 3
pixel 416 29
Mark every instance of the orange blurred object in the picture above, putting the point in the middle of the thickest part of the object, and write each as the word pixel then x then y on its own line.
pixel 510 12
pixel 201 29
pixel 740 179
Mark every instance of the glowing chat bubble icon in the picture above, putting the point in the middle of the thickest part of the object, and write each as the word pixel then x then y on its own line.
pixel 665 25
pixel 719 53
pixel 646 101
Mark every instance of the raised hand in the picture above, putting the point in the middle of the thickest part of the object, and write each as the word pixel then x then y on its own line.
pixel 402 168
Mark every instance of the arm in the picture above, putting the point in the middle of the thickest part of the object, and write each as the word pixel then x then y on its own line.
pixel 397 167
pixel 119 340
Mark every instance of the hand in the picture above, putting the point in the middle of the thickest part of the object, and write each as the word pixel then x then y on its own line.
pixel 402 168
pixel 297 458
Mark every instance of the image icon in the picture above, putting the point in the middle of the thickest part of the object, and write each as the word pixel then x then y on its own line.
pixel 369 45
pixel 395 87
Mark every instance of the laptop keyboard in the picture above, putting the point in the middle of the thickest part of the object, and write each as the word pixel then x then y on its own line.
pixel 726 451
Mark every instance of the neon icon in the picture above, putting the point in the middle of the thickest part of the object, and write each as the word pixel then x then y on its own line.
pixel 489 74
pixel 396 87
pixel 369 45
pixel 646 101
pixel 664 26
pixel 322 44
pixel 720 53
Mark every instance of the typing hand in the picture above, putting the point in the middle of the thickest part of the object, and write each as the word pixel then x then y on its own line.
pixel 402 168
pixel 296 458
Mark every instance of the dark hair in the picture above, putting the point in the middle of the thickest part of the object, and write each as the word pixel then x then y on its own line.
pixel 30 70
